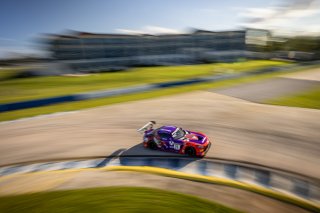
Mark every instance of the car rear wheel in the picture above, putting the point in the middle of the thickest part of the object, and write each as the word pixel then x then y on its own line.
pixel 153 145
pixel 190 151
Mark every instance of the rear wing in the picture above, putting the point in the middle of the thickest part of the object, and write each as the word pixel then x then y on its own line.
pixel 146 127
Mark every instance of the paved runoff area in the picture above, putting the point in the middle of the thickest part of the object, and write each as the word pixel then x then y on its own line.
pixel 262 91
pixel 269 89
pixel 312 74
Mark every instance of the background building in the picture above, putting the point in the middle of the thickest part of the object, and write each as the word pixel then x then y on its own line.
pixel 88 52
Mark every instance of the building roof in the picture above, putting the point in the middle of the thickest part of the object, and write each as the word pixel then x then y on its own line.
pixel 72 34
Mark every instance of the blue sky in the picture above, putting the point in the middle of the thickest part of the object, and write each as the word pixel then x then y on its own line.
pixel 22 21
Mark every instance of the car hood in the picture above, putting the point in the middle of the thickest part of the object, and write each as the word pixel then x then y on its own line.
pixel 195 137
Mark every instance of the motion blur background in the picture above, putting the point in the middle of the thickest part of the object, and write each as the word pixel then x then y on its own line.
pixel 77 78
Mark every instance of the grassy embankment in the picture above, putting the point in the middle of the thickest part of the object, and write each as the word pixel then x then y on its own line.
pixel 12 89
pixel 18 89
pixel 109 199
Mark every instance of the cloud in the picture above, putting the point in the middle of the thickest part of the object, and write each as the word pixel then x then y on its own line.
pixel 257 13
pixel 127 31
pixel 284 15
pixel 295 9
pixel 150 30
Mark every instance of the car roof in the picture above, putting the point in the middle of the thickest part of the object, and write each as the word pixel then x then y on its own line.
pixel 167 129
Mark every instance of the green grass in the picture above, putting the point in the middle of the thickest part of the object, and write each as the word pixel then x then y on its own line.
pixel 306 99
pixel 110 199
pixel 18 89
pixel 71 106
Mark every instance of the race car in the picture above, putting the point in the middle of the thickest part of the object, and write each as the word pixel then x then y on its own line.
pixel 175 139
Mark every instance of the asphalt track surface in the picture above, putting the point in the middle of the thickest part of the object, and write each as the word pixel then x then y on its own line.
pixel 281 137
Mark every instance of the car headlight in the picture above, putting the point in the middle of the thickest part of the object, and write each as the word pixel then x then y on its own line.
pixel 145 139
pixel 200 147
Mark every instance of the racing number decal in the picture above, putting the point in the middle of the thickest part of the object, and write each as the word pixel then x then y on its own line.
pixel 176 146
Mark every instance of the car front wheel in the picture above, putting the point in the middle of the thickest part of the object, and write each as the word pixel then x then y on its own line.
pixel 190 151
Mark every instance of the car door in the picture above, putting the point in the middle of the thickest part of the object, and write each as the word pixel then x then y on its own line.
pixel 165 139
pixel 170 143
pixel 175 145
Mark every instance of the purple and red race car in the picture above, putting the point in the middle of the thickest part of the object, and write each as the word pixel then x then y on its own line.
pixel 175 139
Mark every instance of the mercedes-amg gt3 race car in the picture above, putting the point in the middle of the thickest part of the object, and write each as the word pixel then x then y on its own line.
pixel 175 139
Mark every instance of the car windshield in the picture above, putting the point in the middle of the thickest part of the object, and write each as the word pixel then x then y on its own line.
pixel 178 133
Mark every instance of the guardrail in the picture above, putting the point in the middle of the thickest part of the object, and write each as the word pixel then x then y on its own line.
pixel 279 181
pixel 139 88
